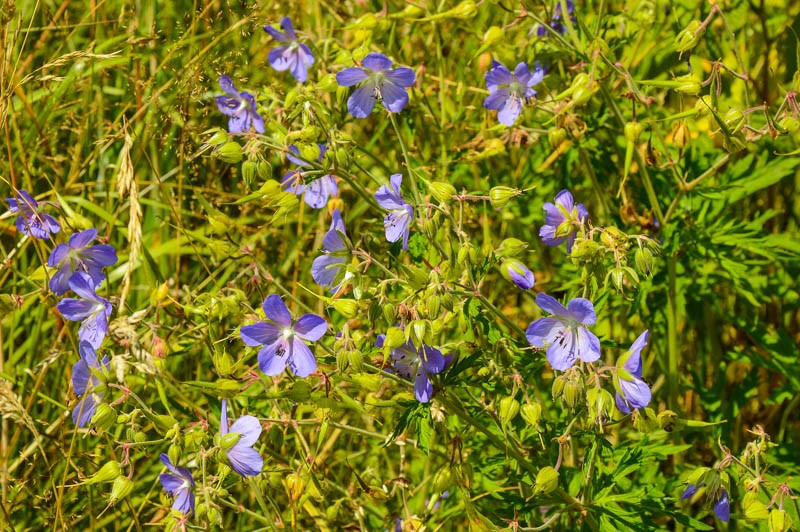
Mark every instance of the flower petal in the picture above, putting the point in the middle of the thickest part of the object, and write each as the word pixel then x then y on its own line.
pixel 559 356
pixel 394 97
pixel 587 345
pixel 299 68
pixel 223 418
pixel 281 58
pixel 226 84
pixel 261 333
pixel 245 460
pixel 497 100
pixel 432 360
pixel 377 62
pixel 545 331
pixel 184 501
pixel 311 327
pixel 622 406
pixel 250 429
pixel 497 76
pixel 404 77
pixel 551 305
pixel 171 483
pixel 276 311
pixel 75 309
pixel 723 507
pixel 275 34
pixel 582 310
pixel 84 411
pixel 326 268
pixel 351 76
pixel 396 225
pixel 272 359
pixel 637 393
pixel 94 328
pixel 301 359
pixel 362 101
pixel 423 389
pixel 511 110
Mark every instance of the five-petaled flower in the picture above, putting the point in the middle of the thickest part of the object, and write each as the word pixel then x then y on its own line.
pixel 240 107
pixel 327 269
pixel 293 56
pixel 397 223
pixel 555 21
pixel 509 92
pixel 92 309
pixel 318 190
pixel 417 364
pixel 519 274
pixel 87 381
pixel 283 339
pixel 237 443
pixel 390 85
pixel 563 220
pixel 565 334
pixel 632 390
pixel 78 256
pixel 31 221
pixel 180 484
pixel 722 504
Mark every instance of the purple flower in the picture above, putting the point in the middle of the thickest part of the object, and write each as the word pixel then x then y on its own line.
pixel 317 191
pixel 240 107
pixel 30 221
pixel 397 223
pixel 86 381
pixel 77 256
pixel 723 507
pixel 390 85
pixel 282 339
pixel 518 273
pixel 691 489
pixel 92 309
pixel 555 23
pixel 327 269
pixel 565 334
pixel 293 56
pixel 237 443
pixel 509 92
pixel 410 362
pixel 562 220
pixel 632 391
pixel 179 483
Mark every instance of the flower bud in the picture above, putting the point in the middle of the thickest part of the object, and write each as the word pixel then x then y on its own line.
pixel 249 171
pixel 500 196
pixel 559 383
pixel 122 487
pixel 327 83
pixel 443 479
pixel 442 191
pixel 108 473
pixel 511 247
pixel 643 258
pixel 508 408
pixel 633 130
pixel 789 124
pixel 688 84
pixel 230 152
pixel 556 136
pixel 229 440
pixel 219 136
pixel 409 13
pixel 174 453
pixel 295 485
pixel 395 337
pixel 346 307
pixel 546 481
pixel 532 413
pixel 517 273
pixel 689 36
pixel 601 404
pixel 493 35
pixel 356 360
pixel 389 312
pixel 104 417
pixel 680 134
pixel 464 10
pixel 734 119
pixel 779 521
pixel 574 393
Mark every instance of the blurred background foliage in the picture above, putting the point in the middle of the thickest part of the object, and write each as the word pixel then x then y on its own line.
pixel 90 89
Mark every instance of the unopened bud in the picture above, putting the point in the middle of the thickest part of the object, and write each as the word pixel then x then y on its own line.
pixel 633 130
pixel 559 383
pixel 346 307
pixel 229 440
pixel 500 196
pixel 555 136
pixel 508 409
pixel 546 481
pixel 230 152
pixel 464 10
pixel 443 479
pixel 294 486
pixel 531 413
pixel 517 273
pixel 689 36
pixel 511 247
pixel 122 487
pixel 493 35
pixel 442 191
pixel 249 171
pixel 688 84
pixel 573 393
pixel 108 473
pixel 643 258
pixel 395 337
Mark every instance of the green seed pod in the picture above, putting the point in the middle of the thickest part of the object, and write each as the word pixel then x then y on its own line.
pixel 123 419
pixel 643 258
pixel 249 171
pixel 342 360
pixel 295 485
pixel 633 130
pixel 104 417
pixel 574 393
pixel 214 516
pixel 220 136
pixel 442 191
pixel 531 413
pixel 140 437
pixel 395 337
pixel 346 307
pixel 500 196
pixel 559 383
pixel 465 10
pixel 789 124
pixel 443 479
pixel 508 409
pixel 556 136
pixel 264 170
pixel 546 481
pixel 328 83
pixel 389 313
pixel 174 454
pixel 734 119
pixel 433 303
pixel 230 152
pixel 356 360
pixel 122 487
pixel 702 106
pixel 511 247
pixel 493 35
pixel 689 36
pixel 644 420
pixel 108 473
pixel 688 84
pixel 734 144
pixel 601 404
pixel 585 250
pixel 463 255
pixel 779 521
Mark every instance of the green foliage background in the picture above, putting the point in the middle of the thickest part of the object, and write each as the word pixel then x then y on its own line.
pixel 90 91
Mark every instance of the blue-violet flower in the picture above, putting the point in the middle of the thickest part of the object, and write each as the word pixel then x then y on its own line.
pixel 555 21
pixel 390 85
pixel 565 334
pixel 92 309
pixel 240 107
pixel 519 274
pixel 87 381
pixel 293 56
pixel 237 443
pixel 283 339
pixel 180 484
pixel 397 223
pixel 31 221
pixel 563 220
pixel 318 190
pixel 510 92
pixel 417 364
pixel 327 269
pixel 78 256
pixel 632 390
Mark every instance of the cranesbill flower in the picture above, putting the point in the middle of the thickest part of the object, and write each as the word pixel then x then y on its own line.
pixel 88 384
pixel 318 190
pixel 510 92
pixel 555 21
pixel 327 269
pixel 397 223
pixel 412 363
pixel 283 339
pixel 78 256
pixel 722 505
pixel 632 391
pixel 180 484
pixel 31 221
pixel 565 334
pixel 240 107
pixel 390 85
pixel 92 309
pixel 293 56
pixel 519 274
pixel 563 220
pixel 237 443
